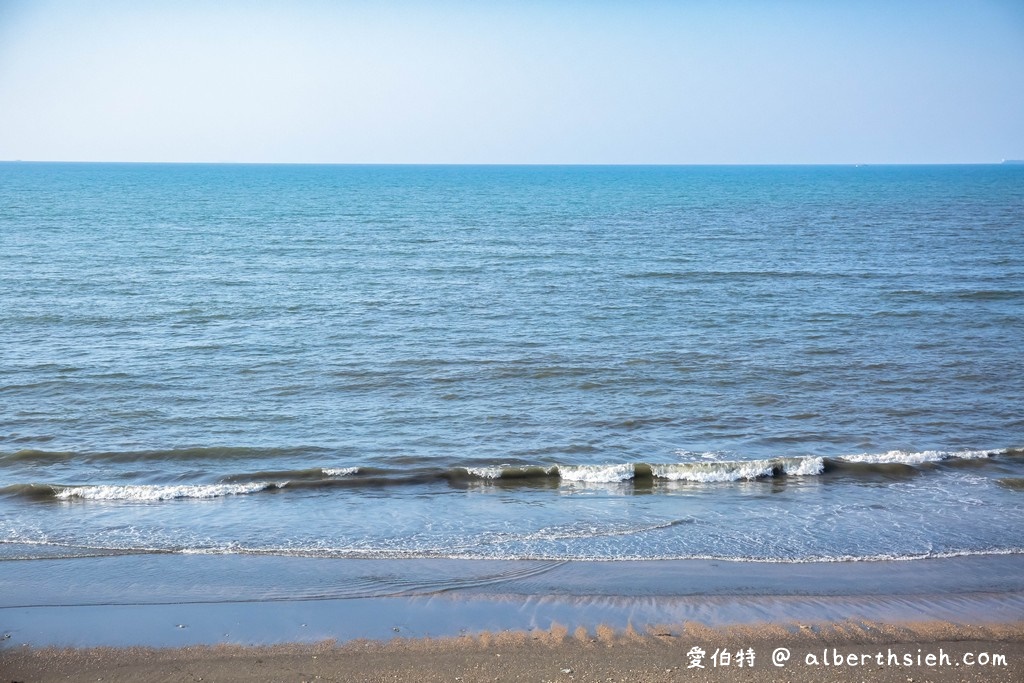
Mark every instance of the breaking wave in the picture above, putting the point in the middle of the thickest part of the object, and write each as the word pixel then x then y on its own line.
pixel 157 493
pixel 867 466
pixel 919 458
pixel 135 492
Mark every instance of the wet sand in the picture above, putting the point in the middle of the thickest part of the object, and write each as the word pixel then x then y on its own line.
pixel 181 600
pixel 233 618
pixel 909 653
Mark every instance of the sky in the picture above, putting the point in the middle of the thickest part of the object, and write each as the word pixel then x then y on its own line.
pixel 502 81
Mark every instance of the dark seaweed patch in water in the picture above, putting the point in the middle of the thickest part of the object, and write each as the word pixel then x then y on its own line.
pixel 1013 483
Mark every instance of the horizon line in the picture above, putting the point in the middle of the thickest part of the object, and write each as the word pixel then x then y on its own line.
pixel 1006 161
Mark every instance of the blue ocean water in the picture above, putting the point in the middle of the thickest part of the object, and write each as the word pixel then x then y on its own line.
pixel 749 363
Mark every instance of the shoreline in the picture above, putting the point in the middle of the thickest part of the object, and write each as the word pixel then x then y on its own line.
pixel 166 600
pixel 186 600
pixel 841 651
pixel 226 618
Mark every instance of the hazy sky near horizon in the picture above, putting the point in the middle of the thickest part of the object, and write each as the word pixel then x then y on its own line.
pixel 529 81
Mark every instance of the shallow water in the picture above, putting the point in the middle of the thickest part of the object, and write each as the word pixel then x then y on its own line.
pixel 176 600
pixel 760 363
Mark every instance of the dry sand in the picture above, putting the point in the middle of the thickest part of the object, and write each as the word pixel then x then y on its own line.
pixel 877 651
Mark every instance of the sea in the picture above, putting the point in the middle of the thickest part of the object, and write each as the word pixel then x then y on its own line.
pixel 752 364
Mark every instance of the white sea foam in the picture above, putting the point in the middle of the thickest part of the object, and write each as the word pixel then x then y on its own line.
pixel 737 470
pixel 803 467
pixel 696 456
pixel 714 472
pixel 588 530
pixel 912 458
pixel 339 471
pixel 596 473
pixel 155 493
pixel 486 472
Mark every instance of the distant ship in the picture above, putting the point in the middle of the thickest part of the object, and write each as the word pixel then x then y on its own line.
pixel 1013 161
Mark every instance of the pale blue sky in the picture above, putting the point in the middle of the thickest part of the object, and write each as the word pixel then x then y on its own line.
pixel 611 81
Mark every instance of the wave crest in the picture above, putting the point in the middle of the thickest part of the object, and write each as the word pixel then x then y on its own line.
pixel 597 473
pixel 158 493
pixel 737 470
pixel 916 458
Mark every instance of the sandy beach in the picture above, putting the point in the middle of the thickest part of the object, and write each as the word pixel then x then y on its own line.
pixel 231 618
pixel 838 652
